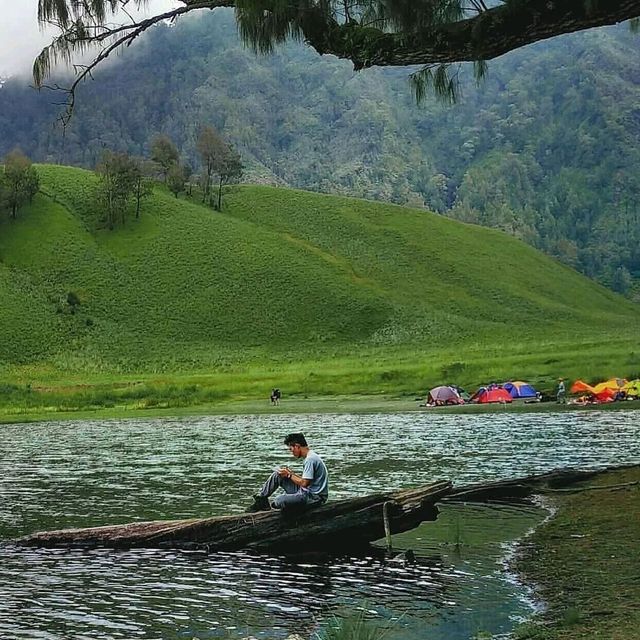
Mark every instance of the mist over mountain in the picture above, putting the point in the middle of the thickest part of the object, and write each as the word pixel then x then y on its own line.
pixel 545 148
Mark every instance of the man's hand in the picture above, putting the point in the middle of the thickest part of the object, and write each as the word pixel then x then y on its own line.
pixel 285 472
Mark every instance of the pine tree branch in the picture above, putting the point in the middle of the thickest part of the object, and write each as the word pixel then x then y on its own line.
pixel 488 34
pixel 116 36
pixel 485 36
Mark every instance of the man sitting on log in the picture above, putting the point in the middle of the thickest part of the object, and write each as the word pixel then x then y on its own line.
pixel 300 491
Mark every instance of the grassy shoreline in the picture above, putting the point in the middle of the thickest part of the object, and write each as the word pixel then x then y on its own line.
pixel 295 405
pixel 378 380
pixel 585 563
pixel 315 294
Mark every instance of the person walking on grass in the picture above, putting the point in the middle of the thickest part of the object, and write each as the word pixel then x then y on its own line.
pixel 561 393
pixel 301 491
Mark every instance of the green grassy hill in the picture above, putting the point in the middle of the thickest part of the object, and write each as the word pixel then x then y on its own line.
pixel 315 293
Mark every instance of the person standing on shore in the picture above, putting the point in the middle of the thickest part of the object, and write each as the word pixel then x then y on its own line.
pixel 309 489
pixel 561 394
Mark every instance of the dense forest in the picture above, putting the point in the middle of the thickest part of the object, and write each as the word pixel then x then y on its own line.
pixel 545 148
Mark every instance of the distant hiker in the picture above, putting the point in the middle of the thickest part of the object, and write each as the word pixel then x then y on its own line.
pixel 561 394
pixel 300 491
pixel 275 396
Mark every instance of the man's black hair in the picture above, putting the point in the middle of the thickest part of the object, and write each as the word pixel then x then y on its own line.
pixel 296 438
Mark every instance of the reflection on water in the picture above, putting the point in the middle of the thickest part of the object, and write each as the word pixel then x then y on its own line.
pixel 162 594
pixel 90 473
pixel 456 589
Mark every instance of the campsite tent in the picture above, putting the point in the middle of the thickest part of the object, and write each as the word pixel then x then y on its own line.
pixel 582 387
pixel 519 389
pixel 598 393
pixel 461 392
pixel 486 395
pixel 606 395
pixel 633 388
pixel 614 384
pixel 444 395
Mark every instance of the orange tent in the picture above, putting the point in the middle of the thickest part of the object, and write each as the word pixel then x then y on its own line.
pixel 582 387
pixel 599 393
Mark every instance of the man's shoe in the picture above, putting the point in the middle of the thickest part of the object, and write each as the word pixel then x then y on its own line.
pixel 260 503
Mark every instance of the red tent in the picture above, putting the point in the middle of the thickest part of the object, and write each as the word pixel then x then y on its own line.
pixel 485 395
pixel 606 395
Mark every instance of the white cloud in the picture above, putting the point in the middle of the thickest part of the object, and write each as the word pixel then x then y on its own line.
pixel 21 38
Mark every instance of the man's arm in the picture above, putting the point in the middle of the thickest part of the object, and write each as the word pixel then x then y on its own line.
pixel 294 477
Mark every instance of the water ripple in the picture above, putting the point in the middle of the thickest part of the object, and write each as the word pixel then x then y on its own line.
pixel 79 474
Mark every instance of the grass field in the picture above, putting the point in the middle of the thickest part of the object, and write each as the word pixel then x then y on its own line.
pixel 318 295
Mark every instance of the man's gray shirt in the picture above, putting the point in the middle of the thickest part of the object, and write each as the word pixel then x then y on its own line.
pixel 315 470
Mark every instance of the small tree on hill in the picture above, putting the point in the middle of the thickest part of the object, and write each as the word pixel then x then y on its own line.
pixel 31 183
pixel 142 182
pixel 621 281
pixel 176 179
pixel 164 153
pixel 210 145
pixel 187 169
pixel 118 175
pixel 218 158
pixel 228 169
pixel 21 181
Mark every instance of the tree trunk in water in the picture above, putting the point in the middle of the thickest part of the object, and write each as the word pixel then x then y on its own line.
pixel 334 526
pixel 524 487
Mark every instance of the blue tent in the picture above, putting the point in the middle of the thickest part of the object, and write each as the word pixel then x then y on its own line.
pixel 520 389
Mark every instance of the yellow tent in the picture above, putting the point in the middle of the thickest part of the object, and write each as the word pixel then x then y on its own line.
pixel 633 388
pixel 614 384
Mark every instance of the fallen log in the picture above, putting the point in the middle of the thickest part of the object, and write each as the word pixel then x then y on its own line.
pixel 336 526
pixel 332 527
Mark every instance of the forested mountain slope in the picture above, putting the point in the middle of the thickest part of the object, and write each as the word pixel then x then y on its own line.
pixel 546 148
pixel 279 275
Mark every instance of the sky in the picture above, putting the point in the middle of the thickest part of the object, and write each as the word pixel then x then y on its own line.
pixel 21 38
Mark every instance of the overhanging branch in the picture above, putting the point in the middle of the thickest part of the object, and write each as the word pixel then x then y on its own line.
pixel 486 36
pixel 112 38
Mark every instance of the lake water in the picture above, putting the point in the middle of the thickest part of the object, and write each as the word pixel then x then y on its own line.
pixel 78 474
